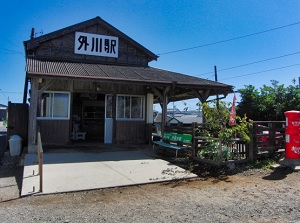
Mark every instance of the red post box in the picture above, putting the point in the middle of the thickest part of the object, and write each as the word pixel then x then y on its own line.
pixel 292 135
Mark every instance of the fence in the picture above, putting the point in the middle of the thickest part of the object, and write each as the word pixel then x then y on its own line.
pixel 267 138
pixel 211 150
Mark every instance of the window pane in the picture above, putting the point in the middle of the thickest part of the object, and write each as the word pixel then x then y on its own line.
pixel 61 105
pixel 136 107
pixel 46 105
pixel 127 107
pixel 120 107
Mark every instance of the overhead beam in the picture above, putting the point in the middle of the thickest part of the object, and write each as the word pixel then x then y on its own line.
pixel 158 93
pixel 47 85
pixel 202 97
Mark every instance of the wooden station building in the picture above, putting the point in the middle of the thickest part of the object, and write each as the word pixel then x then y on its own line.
pixel 91 82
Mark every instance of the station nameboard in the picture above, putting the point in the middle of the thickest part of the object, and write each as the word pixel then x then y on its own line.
pixel 96 45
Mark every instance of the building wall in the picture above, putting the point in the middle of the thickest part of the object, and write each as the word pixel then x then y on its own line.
pixel 63 47
pixel 130 131
pixel 58 131
pixel 54 131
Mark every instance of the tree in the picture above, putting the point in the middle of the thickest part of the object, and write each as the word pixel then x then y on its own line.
pixel 269 102
pixel 216 120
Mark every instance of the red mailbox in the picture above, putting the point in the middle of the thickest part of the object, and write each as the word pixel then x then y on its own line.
pixel 292 135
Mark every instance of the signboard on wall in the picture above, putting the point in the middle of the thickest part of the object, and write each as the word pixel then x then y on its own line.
pixel 96 45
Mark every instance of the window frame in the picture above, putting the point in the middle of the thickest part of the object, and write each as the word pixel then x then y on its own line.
pixel 130 111
pixel 52 101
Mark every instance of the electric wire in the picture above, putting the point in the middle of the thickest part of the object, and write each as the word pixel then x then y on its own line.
pixel 259 72
pixel 228 40
pixel 12 51
pixel 251 63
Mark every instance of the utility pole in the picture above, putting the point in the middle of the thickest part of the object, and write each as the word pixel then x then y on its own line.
pixel 216 79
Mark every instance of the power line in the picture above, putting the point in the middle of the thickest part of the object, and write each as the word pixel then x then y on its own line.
pixel 247 64
pixel 12 51
pixel 264 71
pixel 7 92
pixel 228 40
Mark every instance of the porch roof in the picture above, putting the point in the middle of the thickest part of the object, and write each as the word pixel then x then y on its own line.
pixel 184 85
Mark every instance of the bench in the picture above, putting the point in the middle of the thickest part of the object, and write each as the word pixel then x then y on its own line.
pixel 175 141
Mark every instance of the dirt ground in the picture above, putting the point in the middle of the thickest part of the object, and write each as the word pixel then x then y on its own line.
pixel 235 194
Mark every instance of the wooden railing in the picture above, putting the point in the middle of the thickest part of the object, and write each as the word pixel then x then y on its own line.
pixel 211 150
pixel 40 159
pixel 267 138
pixel 237 152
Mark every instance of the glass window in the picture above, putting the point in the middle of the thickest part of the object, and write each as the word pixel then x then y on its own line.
pixel 120 107
pixel 137 107
pixel 130 107
pixel 55 105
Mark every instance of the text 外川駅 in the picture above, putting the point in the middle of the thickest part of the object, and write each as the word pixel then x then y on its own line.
pixel 96 45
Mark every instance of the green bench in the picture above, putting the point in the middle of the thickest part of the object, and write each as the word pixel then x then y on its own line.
pixel 175 141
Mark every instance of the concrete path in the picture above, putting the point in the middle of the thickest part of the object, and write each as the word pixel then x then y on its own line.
pixel 76 171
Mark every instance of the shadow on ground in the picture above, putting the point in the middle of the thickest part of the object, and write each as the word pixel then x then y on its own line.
pixel 279 173
pixel 11 175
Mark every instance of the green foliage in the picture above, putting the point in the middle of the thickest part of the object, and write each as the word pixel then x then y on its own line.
pixel 262 164
pixel 216 126
pixel 212 151
pixel 216 120
pixel 269 102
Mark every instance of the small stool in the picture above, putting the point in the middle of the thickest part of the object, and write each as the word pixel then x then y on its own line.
pixel 80 135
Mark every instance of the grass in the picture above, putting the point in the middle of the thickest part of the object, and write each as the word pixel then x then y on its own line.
pixel 263 164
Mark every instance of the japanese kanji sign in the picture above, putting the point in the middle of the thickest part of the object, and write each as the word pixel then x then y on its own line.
pixel 96 45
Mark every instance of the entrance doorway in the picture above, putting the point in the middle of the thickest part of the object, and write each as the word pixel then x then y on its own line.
pixel 88 117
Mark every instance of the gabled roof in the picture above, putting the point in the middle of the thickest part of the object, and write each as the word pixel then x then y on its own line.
pixel 58 69
pixel 33 43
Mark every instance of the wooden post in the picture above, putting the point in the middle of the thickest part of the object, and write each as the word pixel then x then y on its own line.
pixel 271 140
pixel 216 79
pixel 164 110
pixel 32 125
pixel 194 126
pixel 40 159
pixel 252 151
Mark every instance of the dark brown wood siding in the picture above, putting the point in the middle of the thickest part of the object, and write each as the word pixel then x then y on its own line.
pixel 54 131
pixel 130 132
pixel 63 47
pixel 91 87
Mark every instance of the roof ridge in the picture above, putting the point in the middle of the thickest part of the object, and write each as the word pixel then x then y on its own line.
pixel 32 43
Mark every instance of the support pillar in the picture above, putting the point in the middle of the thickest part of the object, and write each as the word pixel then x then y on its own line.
pixel 32 122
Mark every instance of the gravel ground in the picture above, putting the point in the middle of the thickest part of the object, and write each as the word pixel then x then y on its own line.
pixel 218 195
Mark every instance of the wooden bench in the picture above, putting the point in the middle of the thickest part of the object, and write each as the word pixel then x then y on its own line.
pixel 175 141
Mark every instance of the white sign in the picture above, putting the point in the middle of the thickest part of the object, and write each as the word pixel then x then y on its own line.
pixel 96 45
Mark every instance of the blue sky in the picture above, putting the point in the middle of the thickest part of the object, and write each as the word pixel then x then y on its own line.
pixel 164 26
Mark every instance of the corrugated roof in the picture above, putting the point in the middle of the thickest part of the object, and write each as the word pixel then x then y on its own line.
pixel 148 75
